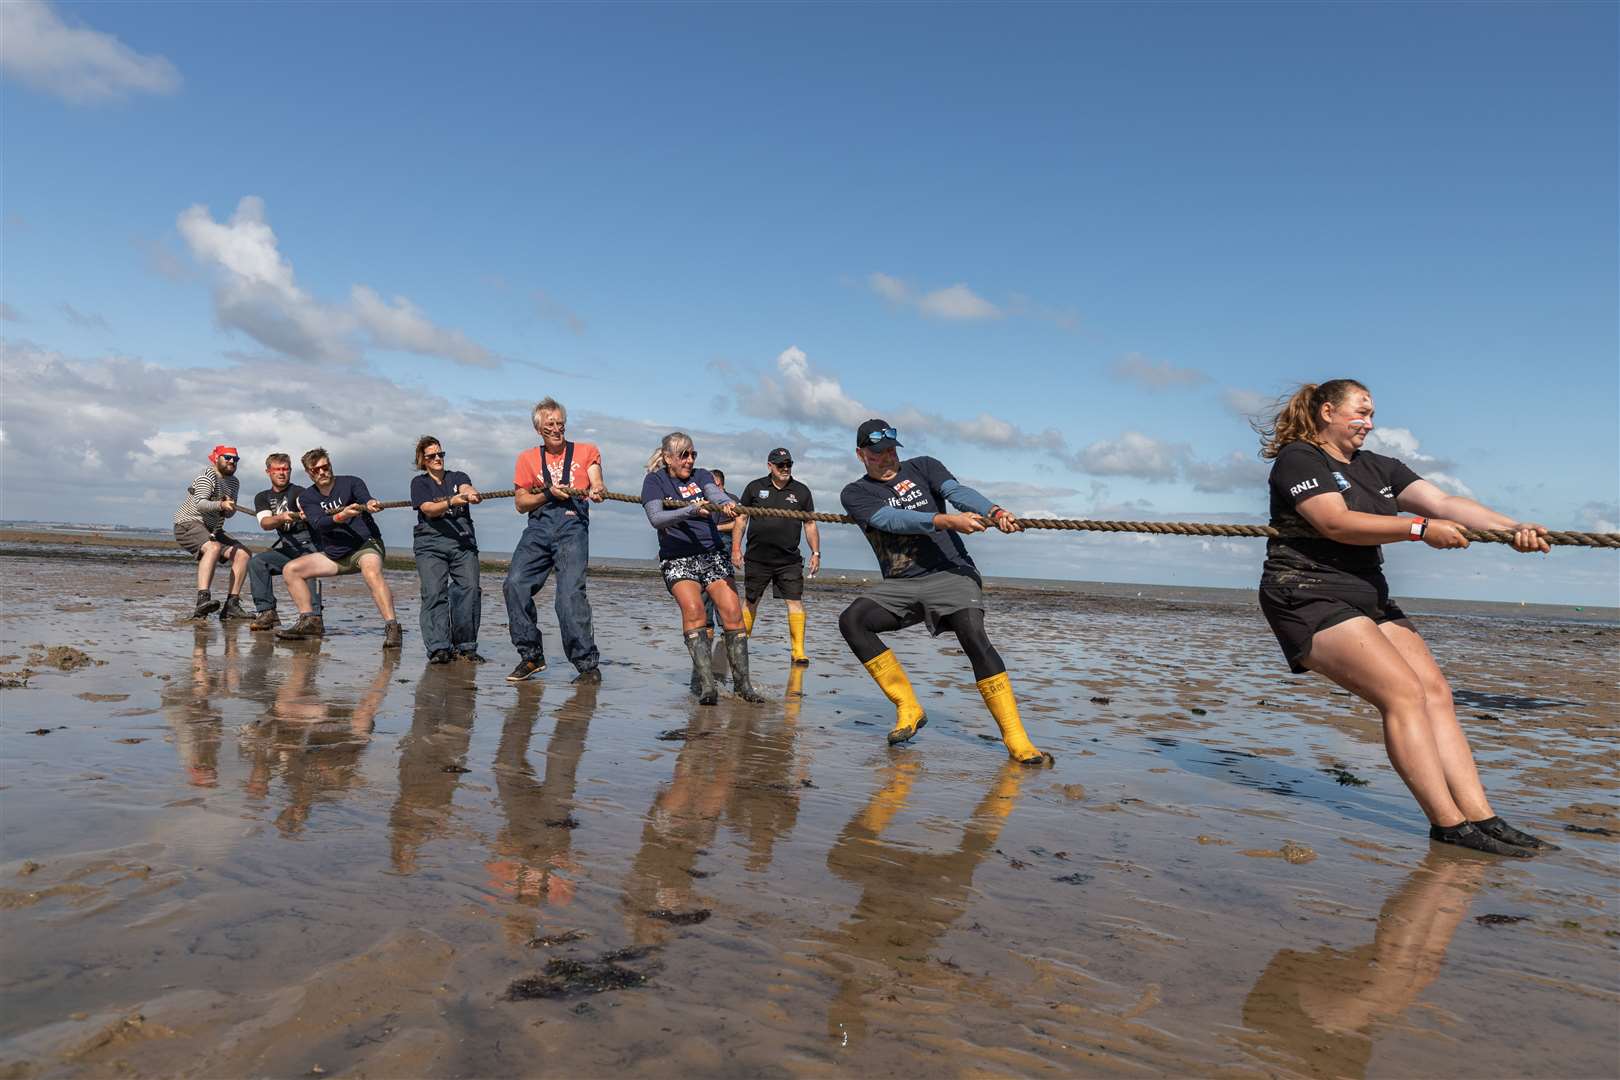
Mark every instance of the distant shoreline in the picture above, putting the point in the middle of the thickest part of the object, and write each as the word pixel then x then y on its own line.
pixel 117 545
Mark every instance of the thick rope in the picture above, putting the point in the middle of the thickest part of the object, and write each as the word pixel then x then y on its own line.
pixel 1159 528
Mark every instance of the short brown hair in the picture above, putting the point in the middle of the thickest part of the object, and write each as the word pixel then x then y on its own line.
pixel 422 444
pixel 278 458
pixel 312 456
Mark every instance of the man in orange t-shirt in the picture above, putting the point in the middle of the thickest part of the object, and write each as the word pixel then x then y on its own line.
pixel 557 538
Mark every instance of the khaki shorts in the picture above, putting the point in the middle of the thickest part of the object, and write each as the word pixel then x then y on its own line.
pixel 350 563
pixel 191 535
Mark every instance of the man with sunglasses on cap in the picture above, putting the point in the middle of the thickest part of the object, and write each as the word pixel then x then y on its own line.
pixel 928 578
pixel 199 527
pixel 772 554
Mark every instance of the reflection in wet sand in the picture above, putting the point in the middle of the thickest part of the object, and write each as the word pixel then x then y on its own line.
pixel 909 896
pixel 531 860
pixel 310 742
pixel 1324 1010
pixel 432 757
pixel 193 717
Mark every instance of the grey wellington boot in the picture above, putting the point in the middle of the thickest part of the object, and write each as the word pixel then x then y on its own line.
pixel 737 654
pixel 697 643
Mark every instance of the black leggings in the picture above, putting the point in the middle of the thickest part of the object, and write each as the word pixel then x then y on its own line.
pixel 863 620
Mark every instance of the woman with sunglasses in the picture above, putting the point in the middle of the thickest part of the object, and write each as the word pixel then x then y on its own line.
pixel 694 560
pixel 1326 599
pixel 446 557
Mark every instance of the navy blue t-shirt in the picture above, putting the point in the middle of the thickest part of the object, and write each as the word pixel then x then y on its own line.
pixel 337 540
pixel 455 523
pixel 907 555
pixel 1370 484
pixel 695 535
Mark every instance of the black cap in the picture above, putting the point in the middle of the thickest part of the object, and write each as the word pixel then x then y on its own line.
pixel 779 456
pixel 864 440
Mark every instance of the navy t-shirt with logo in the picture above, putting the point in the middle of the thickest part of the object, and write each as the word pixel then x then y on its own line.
pixel 455 523
pixel 774 541
pixel 293 537
pixel 905 555
pixel 1370 484
pixel 338 540
pixel 695 535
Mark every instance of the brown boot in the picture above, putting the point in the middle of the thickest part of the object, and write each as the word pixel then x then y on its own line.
pixel 265 620
pixel 307 627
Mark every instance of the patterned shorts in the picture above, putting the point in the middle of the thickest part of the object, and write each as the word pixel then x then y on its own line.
pixel 704 569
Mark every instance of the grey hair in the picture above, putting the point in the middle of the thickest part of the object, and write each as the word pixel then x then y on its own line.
pixel 673 441
pixel 547 404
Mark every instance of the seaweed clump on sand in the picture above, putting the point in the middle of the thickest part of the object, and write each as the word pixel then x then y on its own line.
pixel 680 918
pixel 565 977
pixel 1344 776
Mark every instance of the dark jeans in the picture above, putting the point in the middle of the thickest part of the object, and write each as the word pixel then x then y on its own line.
pixel 266 565
pixel 553 541
pixel 452 602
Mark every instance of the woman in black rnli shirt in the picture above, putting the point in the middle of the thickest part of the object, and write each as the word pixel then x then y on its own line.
pixel 1326 599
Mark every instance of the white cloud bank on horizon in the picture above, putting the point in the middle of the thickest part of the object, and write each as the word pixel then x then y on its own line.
pixel 75 63
pixel 256 293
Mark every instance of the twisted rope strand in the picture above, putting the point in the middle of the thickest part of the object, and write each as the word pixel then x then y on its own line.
pixel 1564 538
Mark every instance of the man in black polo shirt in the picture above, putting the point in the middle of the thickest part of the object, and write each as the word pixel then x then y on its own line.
pixel 773 546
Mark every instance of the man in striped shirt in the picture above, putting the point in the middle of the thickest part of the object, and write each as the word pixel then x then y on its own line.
pixel 199 527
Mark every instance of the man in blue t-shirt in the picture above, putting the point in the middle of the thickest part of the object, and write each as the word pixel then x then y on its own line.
pixel 338 511
pixel 928 577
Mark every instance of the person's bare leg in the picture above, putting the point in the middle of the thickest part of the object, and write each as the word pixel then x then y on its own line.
pixel 689 595
pixel 239 567
pixel 726 605
pixel 1356 656
pixel 206 563
pixel 296 576
pixel 1456 759
pixel 371 568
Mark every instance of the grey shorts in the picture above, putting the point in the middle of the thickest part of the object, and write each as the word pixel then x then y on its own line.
pixel 927 599
pixel 192 535
pixel 705 569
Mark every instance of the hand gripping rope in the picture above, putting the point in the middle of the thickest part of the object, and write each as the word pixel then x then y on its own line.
pixel 1160 528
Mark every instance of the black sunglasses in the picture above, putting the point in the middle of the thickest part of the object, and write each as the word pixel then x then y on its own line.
pixel 434 457
pixel 883 433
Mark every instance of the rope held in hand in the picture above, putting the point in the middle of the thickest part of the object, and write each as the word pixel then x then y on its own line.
pixel 1159 528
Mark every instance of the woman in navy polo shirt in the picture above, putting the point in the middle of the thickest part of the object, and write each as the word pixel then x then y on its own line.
pixel 694 560
pixel 1324 594
pixel 446 557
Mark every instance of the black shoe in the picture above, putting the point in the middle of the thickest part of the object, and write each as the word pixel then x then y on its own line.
pixel 589 675
pixel 1497 829
pixel 439 656
pixel 1465 835
pixel 471 656
pixel 205 606
pixel 527 669
pixel 393 636
pixel 233 609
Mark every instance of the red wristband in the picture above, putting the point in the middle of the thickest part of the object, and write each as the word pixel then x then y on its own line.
pixel 1419 527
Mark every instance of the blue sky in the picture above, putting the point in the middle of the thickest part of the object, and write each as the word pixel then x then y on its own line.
pixel 1066 247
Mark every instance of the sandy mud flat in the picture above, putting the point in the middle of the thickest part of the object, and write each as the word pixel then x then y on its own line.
pixel 223 856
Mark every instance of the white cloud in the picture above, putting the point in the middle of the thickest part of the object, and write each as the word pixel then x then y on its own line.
pixel 801 395
pixel 257 293
pixel 956 303
pixel 84 320
pixel 1156 374
pixel 1248 403
pixel 1237 471
pixel 75 63
pixel 1132 454
pixel 1401 443
pixel 1599 516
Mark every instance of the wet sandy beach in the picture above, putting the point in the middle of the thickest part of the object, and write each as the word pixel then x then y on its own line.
pixel 227 856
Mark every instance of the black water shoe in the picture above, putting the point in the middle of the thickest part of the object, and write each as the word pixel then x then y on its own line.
pixel 1465 835
pixel 1497 829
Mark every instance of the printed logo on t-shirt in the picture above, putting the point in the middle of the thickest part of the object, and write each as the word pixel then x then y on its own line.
pixel 1338 478
pixel 792 498
pixel 1387 491
pixel 332 505
pixel 763 494
pixel 903 487
pixel 689 490
pixel 1303 485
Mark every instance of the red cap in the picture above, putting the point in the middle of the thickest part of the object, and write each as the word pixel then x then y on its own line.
pixel 213 455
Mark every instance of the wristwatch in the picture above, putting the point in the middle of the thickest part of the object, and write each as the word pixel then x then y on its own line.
pixel 1419 527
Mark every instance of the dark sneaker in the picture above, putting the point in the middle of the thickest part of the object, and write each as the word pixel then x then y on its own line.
pixel 306 628
pixel 589 675
pixel 393 636
pixel 1497 829
pixel 233 609
pixel 1466 835
pixel 265 620
pixel 526 669
pixel 471 656
pixel 205 606
pixel 440 656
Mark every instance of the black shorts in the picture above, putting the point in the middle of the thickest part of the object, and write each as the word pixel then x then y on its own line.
pixel 1305 607
pixel 788 578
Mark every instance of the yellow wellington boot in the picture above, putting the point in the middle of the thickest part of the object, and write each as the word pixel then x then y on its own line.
pixel 891 678
pixel 796 635
pixel 998 695
pixel 748 620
